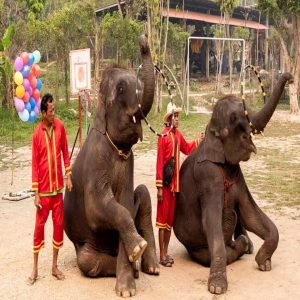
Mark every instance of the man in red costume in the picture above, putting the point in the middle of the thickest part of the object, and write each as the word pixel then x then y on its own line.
pixel 49 145
pixel 167 147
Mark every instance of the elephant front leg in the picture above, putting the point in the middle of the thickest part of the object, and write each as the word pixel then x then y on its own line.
pixel 257 222
pixel 212 225
pixel 143 221
pixel 108 213
pixel 125 285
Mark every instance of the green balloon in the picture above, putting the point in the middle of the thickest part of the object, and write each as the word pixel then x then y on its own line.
pixel 37 56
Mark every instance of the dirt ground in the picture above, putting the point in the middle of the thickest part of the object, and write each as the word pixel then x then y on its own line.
pixel 185 280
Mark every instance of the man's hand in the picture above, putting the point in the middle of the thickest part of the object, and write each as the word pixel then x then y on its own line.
pixel 37 201
pixel 159 194
pixel 69 183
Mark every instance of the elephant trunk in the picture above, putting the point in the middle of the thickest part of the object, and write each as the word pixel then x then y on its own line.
pixel 148 76
pixel 261 118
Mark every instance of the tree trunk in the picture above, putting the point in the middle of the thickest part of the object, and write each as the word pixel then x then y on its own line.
pixel 66 80
pixel 57 78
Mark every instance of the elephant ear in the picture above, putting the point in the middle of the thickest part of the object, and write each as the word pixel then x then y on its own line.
pixel 100 118
pixel 212 147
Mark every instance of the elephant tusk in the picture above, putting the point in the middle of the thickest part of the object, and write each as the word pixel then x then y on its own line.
pixel 134 120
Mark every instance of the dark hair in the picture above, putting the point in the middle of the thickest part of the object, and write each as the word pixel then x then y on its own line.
pixel 46 98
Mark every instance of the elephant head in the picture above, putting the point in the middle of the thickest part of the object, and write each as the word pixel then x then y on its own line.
pixel 228 134
pixel 118 113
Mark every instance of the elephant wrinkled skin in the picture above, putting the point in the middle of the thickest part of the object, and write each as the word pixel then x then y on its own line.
pixel 214 203
pixel 107 220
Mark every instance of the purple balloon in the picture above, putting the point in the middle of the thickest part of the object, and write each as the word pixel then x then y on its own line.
pixel 19 104
pixel 36 110
pixel 18 65
pixel 29 90
pixel 25 71
pixel 38 103
pixel 26 84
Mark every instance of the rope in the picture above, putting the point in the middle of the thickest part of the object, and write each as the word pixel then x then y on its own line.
pixel 157 69
pixel 243 98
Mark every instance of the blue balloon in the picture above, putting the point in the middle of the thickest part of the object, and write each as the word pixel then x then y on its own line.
pixel 39 84
pixel 28 106
pixel 31 59
pixel 25 71
pixel 32 117
pixel 32 103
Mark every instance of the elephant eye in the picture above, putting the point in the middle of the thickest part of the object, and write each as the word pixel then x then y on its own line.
pixel 233 118
pixel 120 90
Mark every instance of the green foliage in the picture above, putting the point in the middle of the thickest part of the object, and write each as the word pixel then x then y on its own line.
pixel 7 38
pixel 36 7
pixel 122 33
pixel 6 69
pixel 241 33
pixel 279 8
pixel 177 38
pixel 227 6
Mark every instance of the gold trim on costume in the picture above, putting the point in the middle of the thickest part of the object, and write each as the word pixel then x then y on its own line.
pixel 49 161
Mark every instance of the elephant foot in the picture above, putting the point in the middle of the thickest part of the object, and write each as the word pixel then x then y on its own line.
pixel 266 266
pixel 125 286
pixel 150 263
pixel 217 283
pixel 138 250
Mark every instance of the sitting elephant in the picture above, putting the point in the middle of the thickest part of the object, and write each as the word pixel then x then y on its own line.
pixel 107 220
pixel 214 202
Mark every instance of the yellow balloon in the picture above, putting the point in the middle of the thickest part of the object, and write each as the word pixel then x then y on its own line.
pixel 18 78
pixel 20 91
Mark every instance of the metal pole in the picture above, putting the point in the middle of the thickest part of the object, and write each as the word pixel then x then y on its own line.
pixel 188 79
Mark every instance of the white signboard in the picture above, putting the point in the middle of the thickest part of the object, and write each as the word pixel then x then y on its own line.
pixel 80 70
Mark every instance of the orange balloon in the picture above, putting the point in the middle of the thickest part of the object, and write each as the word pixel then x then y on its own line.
pixel 25 58
pixel 33 82
pixel 36 94
pixel 20 91
pixel 35 70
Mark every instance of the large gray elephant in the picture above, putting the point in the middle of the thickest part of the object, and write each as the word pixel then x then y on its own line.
pixel 215 203
pixel 107 220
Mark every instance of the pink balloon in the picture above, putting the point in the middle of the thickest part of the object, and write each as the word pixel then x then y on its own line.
pixel 19 104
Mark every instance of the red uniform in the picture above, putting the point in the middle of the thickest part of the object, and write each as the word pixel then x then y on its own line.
pixel 165 150
pixel 47 179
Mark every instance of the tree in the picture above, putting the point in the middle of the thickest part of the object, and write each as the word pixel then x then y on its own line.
pixel 282 11
pixel 123 34
pixel 6 69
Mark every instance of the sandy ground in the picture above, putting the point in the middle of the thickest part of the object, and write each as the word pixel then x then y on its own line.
pixel 185 280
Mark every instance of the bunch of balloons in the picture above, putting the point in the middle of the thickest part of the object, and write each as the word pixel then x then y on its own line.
pixel 27 100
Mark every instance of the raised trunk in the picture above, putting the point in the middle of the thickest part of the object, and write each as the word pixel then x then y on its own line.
pixel 261 118
pixel 148 76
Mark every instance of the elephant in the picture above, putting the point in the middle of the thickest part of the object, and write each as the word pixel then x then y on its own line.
pixel 214 208
pixel 107 220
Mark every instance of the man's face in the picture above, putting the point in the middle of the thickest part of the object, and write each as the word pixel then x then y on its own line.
pixel 175 121
pixel 49 115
